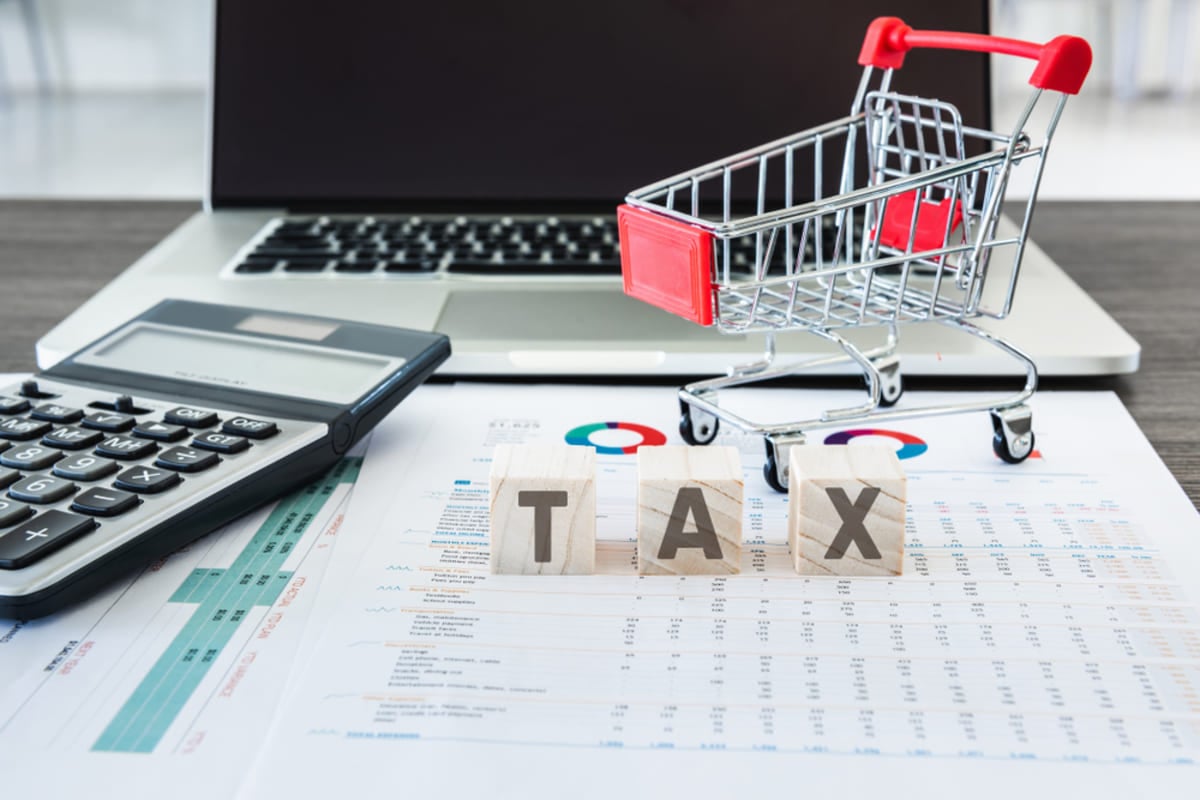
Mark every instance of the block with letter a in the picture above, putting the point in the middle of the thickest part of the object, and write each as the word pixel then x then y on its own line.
pixel 543 509
pixel 846 510
pixel 689 514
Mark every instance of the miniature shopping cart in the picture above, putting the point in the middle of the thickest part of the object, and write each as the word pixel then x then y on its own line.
pixel 888 216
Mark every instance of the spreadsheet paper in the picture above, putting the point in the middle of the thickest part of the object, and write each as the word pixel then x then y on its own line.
pixel 1043 636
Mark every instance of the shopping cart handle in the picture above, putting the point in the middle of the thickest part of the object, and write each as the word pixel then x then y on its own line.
pixel 1063 62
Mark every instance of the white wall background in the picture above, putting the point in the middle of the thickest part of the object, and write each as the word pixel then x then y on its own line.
pixel 111 45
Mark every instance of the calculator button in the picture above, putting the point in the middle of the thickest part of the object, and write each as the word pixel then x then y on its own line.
pixel 125 448
pixel 85 468
pixel 254 428
pixel 12 512
pixel 109 421
pixel 45 533
pixel 30 457
pixel 30 388
pixel 13 405
pixel 22 429
pixel 70 437
pixel 162 431
pixel 104 502
pixel 40 489
pixel 4 445
pixel 52 412
pixel 187 459
pixel 8 476
pixel 146 479
pixel 191 417
pixel 221 442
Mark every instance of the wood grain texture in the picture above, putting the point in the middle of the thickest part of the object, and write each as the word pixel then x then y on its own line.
pixel 562 480
pixel 1139 260
pixel 691 496
pixel 846 506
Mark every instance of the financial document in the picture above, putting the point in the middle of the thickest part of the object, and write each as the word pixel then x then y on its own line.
pixel 1044 635
pixel 168 680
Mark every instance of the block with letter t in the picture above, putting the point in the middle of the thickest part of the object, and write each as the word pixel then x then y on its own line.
pixel 689 510
pixel 846 507
pixel 543 509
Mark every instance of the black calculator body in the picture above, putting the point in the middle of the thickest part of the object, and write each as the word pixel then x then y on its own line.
pixel 173 425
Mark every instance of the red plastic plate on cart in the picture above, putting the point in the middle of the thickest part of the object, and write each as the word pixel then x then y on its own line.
pixel 666 263
pixel 931 222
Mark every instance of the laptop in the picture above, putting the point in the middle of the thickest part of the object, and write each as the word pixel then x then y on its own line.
pixel 455 166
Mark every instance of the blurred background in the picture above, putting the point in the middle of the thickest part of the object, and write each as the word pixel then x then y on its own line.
pixel 108 99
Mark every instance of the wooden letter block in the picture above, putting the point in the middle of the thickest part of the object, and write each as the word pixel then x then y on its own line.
pixel 846 510
pixel 543 509
pixel 689 519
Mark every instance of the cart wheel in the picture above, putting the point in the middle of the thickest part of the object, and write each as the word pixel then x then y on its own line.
pixel 891 383
pixel 771 472
pixel 1013 453
pixel 697 427
pixel 1012 433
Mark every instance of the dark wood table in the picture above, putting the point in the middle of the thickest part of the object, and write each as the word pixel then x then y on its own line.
pixel 1136 259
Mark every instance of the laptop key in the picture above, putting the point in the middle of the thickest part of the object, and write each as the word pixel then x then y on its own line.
pixel 538 267
pixel 250 266
pixel 306 265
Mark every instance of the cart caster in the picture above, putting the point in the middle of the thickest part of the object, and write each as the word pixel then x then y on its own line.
pixel 697 427
pixel 1012 440
pixel 891 382
pixel 775 470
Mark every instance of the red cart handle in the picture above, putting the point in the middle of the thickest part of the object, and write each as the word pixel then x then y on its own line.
pixel 1063 62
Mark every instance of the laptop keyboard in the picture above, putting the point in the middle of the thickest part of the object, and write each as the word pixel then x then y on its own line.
pixel 416 245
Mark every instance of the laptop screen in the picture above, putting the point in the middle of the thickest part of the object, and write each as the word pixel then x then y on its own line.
pixel 536 104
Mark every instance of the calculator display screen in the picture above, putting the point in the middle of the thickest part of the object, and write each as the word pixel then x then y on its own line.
pixel 242 362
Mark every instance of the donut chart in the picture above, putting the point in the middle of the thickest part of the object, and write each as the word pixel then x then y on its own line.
pixel 910 446
pixel 582 436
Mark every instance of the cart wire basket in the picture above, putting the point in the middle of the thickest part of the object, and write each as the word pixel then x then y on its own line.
pixel 907 230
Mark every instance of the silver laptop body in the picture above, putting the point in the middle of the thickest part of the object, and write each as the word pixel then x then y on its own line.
pixel 456 166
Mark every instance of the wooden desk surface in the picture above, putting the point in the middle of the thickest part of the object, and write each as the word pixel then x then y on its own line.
pixel 1137 259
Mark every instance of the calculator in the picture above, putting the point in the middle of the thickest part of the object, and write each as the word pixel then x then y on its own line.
pixel 174 424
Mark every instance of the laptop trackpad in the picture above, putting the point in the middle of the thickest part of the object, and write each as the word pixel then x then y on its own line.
pixel 563 319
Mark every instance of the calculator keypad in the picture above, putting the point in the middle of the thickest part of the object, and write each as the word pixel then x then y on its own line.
pixel 70 437
pixel 220 442
pixel 252 428
pixel 104 502
pixel 41 490
pixel 85 468
pixel 125 448
pixel 40 536
pixel 161 431
pixel 190 417
pixel 109 421
pixel 13 405
pixel 12 512
pixel 29 457
pixel 146 479
pixel 72 463
pixel 187 459
pixel 21 430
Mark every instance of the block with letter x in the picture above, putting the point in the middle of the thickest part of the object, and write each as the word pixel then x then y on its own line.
pixel 543 509
pixel 846 507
